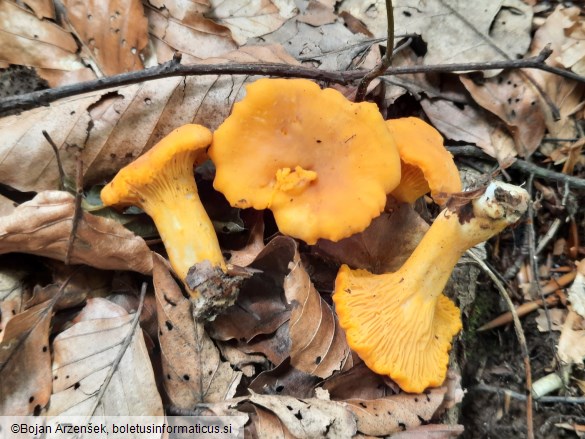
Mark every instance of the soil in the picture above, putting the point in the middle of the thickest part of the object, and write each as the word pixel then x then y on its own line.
pixel 494 358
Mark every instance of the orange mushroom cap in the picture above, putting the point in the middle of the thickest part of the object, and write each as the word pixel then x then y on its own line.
pixel 321 163
pixel 400 323
pixel 161 182
pixel 426 165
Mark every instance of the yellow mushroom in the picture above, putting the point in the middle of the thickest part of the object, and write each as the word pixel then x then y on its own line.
pixel 161 182
pixel 400 323
pixel 426 166
pixel 321 163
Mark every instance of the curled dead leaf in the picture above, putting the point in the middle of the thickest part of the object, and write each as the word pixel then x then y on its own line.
pixel 318 344
pixel 43 226
pixel 25 362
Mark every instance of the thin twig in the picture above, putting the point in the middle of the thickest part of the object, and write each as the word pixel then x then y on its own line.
pixel 386 60
pixel 521 397
pixel 519 334
pixel 77 212
pixel 521 165
pixel 175 68
pixel 123 348
pixel 58 158
pixel 552 231
pixel 551 286
pixel 534 262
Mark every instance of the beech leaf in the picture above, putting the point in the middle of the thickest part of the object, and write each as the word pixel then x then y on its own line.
pixel 192 368
pixel 43 227
pixel 114 33
pixel 310 418
pixel 25 362
pixel 84 356
pixel 318 344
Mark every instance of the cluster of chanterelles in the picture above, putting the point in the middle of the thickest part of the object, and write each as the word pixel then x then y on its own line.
pixel 324 166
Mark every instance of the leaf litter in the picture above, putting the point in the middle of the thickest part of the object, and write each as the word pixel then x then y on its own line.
pixel 280 340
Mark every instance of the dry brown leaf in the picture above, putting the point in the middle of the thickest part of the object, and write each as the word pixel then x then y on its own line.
pixel 11 295
pixel 114 33
pixel 380 417
pixel 251 18
pixel 310 418
pixel 192 368
pixel 284 380
pixel 276 346
pixel 261 307
pixel 512 98
pixel 357 382
pixel 109 129
pixel 240 360
pixel 7 206
pixel 318 13
pixel 25 362
pixel 42 8
pixel 318 344
pixel 83 357
pixel 472 125
pixel 555 316
pixel 266 425
pixel 179 25
pixel 42 227
pixel 27 40
pixel 385 244
pixel 454 31
pixel 577 290
pixel 253 247
pixel 329 47
pixel 573 49
pixel 571 348
pixel 567 95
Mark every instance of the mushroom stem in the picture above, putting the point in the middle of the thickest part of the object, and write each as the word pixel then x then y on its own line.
pixel 161 183
pixel 453 233
pixel 400 323
pixel 181 220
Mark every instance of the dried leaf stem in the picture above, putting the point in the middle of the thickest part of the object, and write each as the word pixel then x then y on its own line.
pixel 519 334
pixel 77 212
pixel 386 60
pixel 120 355
pixel 15 104
pixel 58 159
pixel 523 166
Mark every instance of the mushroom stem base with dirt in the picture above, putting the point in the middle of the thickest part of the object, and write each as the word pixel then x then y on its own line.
pixel 400 323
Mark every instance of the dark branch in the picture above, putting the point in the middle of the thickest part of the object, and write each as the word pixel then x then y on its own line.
pixel 386 60
pixel 523 166
pixel 174 68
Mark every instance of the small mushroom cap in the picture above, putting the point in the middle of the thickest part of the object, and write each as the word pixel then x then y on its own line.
pixel 321 163
pixel 394 329
pixel 183 147
pixel 426 165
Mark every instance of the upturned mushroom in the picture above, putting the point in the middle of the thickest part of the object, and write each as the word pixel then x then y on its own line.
pixel 321 163
pixel 426 165
pixel 161 183
pixel 400 323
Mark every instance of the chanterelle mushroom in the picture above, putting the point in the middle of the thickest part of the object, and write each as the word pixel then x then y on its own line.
pixel 161 182
pixel 321 163
pixel 400 323
pixel 426 166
